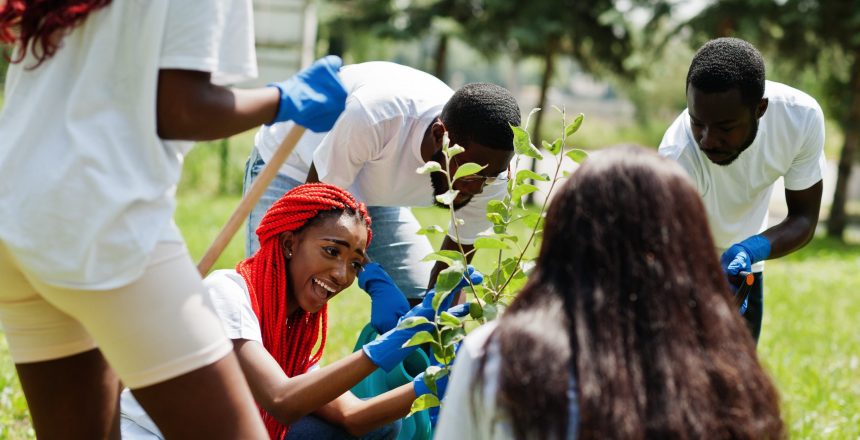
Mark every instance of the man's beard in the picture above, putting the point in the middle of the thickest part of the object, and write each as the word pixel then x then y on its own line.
pixel 747 142
pixel 440 183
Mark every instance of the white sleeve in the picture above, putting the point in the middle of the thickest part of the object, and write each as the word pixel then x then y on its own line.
pixel 458 418
pixel 233 305
pixel 808 166
pixel 353 141
pixel 474 214
pixel 215 36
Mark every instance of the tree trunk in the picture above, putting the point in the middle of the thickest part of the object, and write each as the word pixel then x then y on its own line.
pixel 851 127
pixel 549 64
pixel 441 58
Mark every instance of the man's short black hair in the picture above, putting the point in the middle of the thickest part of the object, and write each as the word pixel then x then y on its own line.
pixel 725 64
pixel 481 113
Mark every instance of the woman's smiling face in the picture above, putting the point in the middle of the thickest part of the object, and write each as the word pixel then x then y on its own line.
pixel 323 259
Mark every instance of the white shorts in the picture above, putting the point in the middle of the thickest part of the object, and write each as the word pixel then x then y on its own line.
pixel 159 327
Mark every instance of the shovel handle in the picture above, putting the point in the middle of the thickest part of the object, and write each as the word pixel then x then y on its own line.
pixel 252 196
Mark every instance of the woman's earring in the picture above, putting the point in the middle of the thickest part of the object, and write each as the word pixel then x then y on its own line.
pixel 289 254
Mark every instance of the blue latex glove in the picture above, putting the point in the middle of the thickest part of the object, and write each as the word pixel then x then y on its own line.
pixel 387 303
pixel 421 389
pixel 387 350
pixel 314 97
pixel 741 256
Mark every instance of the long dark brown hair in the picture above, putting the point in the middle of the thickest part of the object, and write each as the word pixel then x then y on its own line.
pixel 629 297
pixel 38 25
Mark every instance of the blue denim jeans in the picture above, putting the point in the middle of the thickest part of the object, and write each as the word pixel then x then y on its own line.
pixel 314 428
pixel 395 244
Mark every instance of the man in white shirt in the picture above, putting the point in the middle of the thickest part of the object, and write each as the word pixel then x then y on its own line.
pixel 738 135
pixel 394 122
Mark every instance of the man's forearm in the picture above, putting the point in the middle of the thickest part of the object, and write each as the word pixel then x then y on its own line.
pixel 798 228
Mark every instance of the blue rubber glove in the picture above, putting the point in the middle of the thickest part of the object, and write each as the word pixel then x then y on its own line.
pixel 387 303
pixel 741 256
pixel 314 97
pixel 421 389
pixel 387 350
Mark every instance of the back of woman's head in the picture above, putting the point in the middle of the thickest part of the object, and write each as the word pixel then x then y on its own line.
pixel 266 276
pixel 632 300
pixel 39 25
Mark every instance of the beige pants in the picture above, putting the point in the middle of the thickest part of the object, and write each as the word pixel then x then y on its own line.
pixel 160 326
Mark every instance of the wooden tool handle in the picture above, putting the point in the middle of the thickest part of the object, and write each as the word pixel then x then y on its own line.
pixel 252 196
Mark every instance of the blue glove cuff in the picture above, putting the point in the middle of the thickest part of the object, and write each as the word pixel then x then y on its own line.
pixel 419 386
pixel 758 248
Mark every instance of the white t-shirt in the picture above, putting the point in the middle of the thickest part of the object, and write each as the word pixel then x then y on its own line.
pixel 789 144
pixel 459 419
pixel 88 186
pixel 229 294
pixel 375 147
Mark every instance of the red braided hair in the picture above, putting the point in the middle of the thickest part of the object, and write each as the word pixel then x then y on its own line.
pixel 265 274
pixel 40 24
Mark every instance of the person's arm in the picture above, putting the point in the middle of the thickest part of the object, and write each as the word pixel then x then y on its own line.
pixel 190 107
pixel 798 227
pixel 290 398
pixel 359 417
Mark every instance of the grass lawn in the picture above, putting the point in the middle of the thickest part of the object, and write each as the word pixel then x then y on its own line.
pixel 809 342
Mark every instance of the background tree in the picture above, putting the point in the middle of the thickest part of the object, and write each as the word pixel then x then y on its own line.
pixel 821 37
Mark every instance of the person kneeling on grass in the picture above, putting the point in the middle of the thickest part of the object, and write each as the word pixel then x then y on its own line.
pixel 626 328
pixel 273 307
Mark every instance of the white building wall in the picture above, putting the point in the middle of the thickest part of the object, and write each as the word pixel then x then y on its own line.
pixel 286 32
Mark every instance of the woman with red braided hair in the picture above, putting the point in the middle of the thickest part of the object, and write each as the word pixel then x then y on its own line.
pixel 273 307
pixel 101 101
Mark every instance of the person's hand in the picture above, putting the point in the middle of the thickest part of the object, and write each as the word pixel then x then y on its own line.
pixel 740 257
pixel 421 389
pixel 314 97
pixel 387 350
pixel 387 303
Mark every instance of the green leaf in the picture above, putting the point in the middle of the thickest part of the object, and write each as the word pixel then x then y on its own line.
pixel 574 126
pixel 448 197
pixel 475 310
pixel 490 243
pixel 490 312
pixel 443 355
pixel 495 218
pixel 431 375
pixel 531 220
pixel 446 281
pixel 424 402
pixel 446 256
pixel 523 175
pixel 577 155
pixel 452 336
pixel 429 167
pixel 553 147
pixel 412 321
pixel 522 190
pixel 523 145
pixel 455 150
pixel 419 338
pixel 448 320
pixel 467 169
pixel 498 207
pixel 430 230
